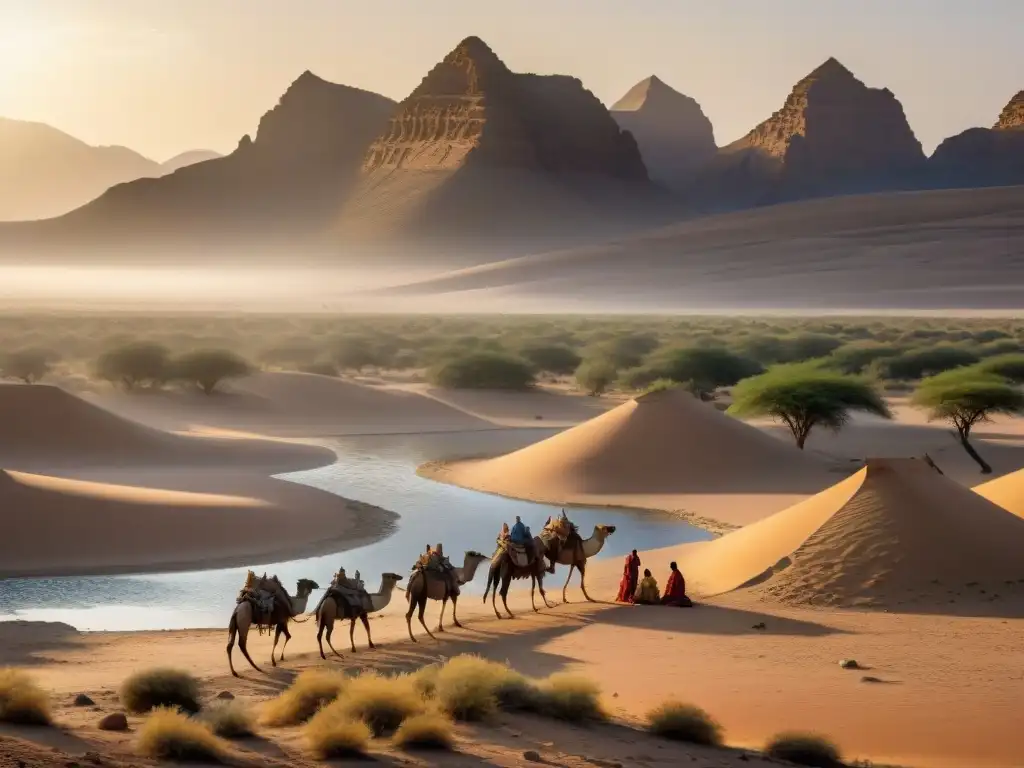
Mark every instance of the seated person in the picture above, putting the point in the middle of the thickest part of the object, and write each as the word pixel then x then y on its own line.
pixel 647 592
pixel 675 589
pixel 521 535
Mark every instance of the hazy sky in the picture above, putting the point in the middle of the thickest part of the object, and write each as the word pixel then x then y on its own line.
pixel 163 76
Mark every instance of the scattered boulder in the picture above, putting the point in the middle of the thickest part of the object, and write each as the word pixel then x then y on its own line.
pixel 532 756
pixel 81 700
pixel 849 664
pixel 226 695
pixel 115 721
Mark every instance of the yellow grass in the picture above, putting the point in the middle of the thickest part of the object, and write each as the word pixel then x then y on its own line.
pixel 566 696
pixel 231 719
pixel 168 734
pixel 429 730
pixel 333 735
pixel 160 687
pixel 466 687
pixel 310 691
pixel 383 703
pixel 804 749
pixel 684 722
pixel 22 701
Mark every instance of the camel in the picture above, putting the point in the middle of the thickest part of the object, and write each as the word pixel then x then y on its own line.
pixel 426 585
pixel 503 570
pixel 285 607
pixel 577 550
pixel 328 611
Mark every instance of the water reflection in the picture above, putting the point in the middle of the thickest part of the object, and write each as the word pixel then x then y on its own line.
pixel 378 470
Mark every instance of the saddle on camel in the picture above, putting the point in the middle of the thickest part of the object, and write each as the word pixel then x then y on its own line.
pixel 263 594
pixel 434 560
pixel 349 591
pixel 520 546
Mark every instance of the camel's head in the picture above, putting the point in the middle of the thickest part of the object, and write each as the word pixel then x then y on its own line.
pixel 305 587
pixel 472 554
pixel 604 531
pixel 394 578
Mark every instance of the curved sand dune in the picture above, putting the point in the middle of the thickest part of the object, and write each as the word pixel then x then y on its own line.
pixel 58 526
pixel 896 531
pixel 664 450
pixel 45 427
pixel 1006 492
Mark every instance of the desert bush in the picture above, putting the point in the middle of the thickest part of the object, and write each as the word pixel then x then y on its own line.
pixel 684 722
pixel 383 703
pixel 1008 366
pixel 334 736
pixel 230 719
pixel 551 358
pixel 919 363
pixel 22 702
pixel 807 346
pixel 626 351
pixel 207 368
pixel 466 687
pixel 1000 347
pixel 482 370
pixel 565 696
pixel 804 749
pixel 135 364
pixel 595 376
pixel 167 734
pixel 310 691
pixel 160 687
pixel 353 353
pixel 424 680
pixel 28 365
pixel 706 368
pixel 855 357
pixel 429 730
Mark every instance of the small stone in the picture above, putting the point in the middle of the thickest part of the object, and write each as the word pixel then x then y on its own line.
pixel 849 664
pixel 225 695
pixel 759 625
pixel 81 700
pixel 531 756
pixel 115 721
pixel 615 695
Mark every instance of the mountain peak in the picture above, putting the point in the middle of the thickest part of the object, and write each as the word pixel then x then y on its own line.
pixel 1012 116
pixel 831 68
pixel 641 94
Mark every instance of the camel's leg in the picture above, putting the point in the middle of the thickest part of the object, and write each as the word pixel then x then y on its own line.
pixel 543 594
pixel 232 632
pixel 494 597
pixel 277 634
pixel 320 635
pixel 506 582
pixel 366 626
pixel 243 636
pixel 408 616
pixel 440 619
pixel 583 580
pixel 533 589
pixel 352 633
pixel 287 637
pixel 455 619
pixel 422 608
pixel 330 631
pixel 566 585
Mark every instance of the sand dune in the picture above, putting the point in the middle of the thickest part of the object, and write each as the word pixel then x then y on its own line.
pixel 896 531
pixel 664 450
pixel 46 428
pixel 1006 492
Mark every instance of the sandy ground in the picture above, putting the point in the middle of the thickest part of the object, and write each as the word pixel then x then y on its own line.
pixel 940 686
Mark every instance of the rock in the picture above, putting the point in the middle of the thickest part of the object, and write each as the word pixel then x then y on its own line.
pixel 532 756
pixel 674 134
pixel 81 700
pixel 115 721
pixel 1012 116
pixel 759 626
pixel 225 695
pixel 833 135
pixel 849 664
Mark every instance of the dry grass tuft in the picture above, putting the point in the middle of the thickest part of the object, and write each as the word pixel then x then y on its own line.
pixel 804 749
pixel 160 687
pixel 425 680
pixel 383 703
pixel 684 722
pixel 466 687
pixel 311 690
pixel 332 735
pixel 168 734
pixel 231 720
pixel 429 730
pixel 22 702
pixel 565 696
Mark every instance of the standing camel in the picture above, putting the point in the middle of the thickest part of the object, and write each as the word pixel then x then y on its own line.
pixel 430 585
pixel 577 550
pixel 286 607
pixel 329 610
pixel 504 569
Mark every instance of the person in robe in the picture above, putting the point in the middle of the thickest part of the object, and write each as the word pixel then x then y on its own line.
pixel 675 589
pixel 630 576
pixel 521 535
pixel 647 592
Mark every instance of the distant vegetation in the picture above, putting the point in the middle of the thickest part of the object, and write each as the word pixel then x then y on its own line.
pixel 483 370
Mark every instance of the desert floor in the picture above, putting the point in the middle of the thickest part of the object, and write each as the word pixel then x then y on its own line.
pixel 936 688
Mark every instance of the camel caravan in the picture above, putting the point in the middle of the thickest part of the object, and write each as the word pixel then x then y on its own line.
pixel 263 602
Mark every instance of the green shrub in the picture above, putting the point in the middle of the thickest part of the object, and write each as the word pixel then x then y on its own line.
pixel 1008 366
pixel 483 370
pixel 22 702
pixel 595 376
pixel 160 687
pixel 804 749
pixel 429 730
pixel 135 364
pixel 684 722
pixel 919 363
pixel 855 357
pixel 706 368
pixel 552 358
pixel 310 691
pixel 167 734
pixel 207 368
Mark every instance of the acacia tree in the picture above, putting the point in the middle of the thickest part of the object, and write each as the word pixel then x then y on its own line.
pixel 965 398
pixel 206 368
pixel 29 365
pixel 135 364
pixel 804 396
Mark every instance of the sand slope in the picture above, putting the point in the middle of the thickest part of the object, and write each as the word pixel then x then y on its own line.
pixel 1006 492
pixel 658 450
pixel 46 427
pixel 895 531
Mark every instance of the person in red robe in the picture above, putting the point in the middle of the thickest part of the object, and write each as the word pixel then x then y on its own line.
pixel 675 589
pixel 630 577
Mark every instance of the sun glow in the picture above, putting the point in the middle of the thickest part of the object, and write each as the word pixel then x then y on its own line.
pixel 28 40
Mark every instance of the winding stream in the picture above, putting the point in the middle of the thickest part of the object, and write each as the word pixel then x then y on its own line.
pixel 379 470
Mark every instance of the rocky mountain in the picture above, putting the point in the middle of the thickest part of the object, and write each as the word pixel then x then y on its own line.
pixel 45 172
pixel 288 181
pixel 833 135
pixel 477 150
pixel 984 157
pixel 186 159
pixel 675 136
